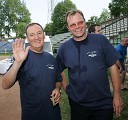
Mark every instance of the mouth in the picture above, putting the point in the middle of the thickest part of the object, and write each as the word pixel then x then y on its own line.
pixel 37 41
pixel 78 30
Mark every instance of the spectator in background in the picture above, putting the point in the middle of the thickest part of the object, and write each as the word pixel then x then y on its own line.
pixel 122 49
pixel 95 28
pixel 87 58
pixel 38 76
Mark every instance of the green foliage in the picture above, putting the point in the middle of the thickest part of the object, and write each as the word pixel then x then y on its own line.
pixel 48 29
pixel 104 16
pixel 14 14
pixel 58 17
pixel 92 20
pixel 20 30
pixel 118 7
pixel 64 105
pixel 2 18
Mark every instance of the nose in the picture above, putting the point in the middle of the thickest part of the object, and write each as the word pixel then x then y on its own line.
pixel 36 36
pixel 77 25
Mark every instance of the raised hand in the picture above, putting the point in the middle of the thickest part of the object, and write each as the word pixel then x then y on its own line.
pixel 18 50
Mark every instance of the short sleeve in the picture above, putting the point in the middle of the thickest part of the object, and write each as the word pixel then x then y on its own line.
pixel 110 53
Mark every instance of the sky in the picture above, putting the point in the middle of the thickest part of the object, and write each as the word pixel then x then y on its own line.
pixel 39 9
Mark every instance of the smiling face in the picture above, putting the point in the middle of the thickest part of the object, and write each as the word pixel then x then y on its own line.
pixel 77 26
pixel 35 36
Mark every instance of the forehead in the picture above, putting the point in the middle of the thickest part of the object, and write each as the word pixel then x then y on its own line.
pixel 97 27
pixel 126 39
pixel 74 17
pixel 34 28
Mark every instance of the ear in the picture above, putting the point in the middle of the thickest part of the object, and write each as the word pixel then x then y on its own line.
pixel 27 39
pixel 67 27
pixel 44 36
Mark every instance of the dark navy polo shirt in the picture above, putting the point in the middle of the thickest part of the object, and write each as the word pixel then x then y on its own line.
pixel 87 62
pixel 37 78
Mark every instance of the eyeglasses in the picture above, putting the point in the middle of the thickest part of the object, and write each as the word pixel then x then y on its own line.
pixel 74 25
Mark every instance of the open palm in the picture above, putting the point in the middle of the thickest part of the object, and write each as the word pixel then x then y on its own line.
pixel 18 50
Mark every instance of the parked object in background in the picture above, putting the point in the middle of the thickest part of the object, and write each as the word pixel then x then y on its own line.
pixel 5 64
pixel 47 45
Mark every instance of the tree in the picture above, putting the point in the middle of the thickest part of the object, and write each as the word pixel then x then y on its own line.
pixel 23 18
pixel 14 13
pixel 118 7
pixel 104 16
pixel 48 29
pixel 92 20
pixel 58 17
pixel 20 30
pixel 2 18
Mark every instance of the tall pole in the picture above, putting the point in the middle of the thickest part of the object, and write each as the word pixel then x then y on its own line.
pixel 51 5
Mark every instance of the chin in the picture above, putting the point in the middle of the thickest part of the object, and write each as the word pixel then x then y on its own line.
pixel 80 35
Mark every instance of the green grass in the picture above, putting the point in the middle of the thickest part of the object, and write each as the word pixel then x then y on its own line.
pixel 65 108
pixel 7 54
pixel 64 105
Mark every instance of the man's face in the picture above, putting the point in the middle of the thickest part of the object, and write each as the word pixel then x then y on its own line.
pixel 35 36
pixel 77 26
pixel 98 30
pixel 125 41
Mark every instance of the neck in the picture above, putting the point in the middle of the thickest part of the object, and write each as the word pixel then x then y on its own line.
pixel 37 50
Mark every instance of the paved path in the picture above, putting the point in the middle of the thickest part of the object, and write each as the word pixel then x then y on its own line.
pixel 10 103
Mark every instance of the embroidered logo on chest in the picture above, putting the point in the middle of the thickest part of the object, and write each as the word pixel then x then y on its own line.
pixel 50 66
pixel 92 54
